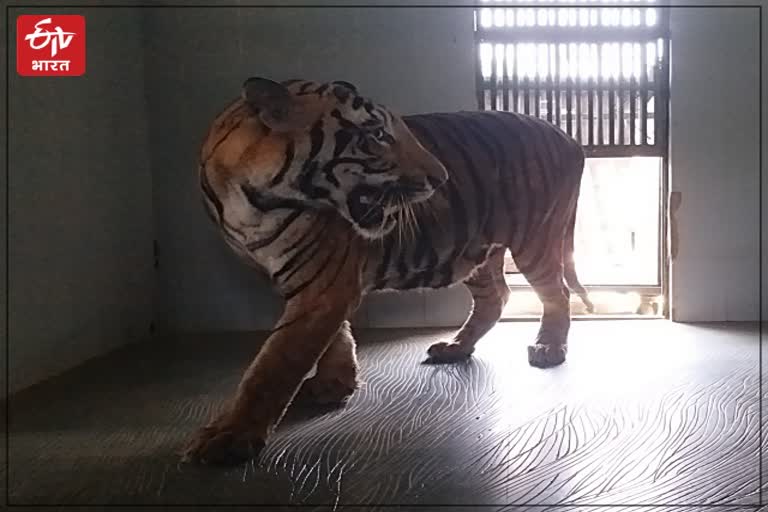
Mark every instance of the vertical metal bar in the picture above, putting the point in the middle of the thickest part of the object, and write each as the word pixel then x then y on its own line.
pixel 494 78
pixel 611 110
pixel 662 103
pixel 590 103
pixel 536 84
pixel 526 92
pixel 548 86
pixel 620 97
pixel 643 94
pixel 558 74
pixel 664 263
pixel 655 79
pixel 632 106
pixel 568 99
pixel 577 94
pixel 479 86
pixel 515 82
pixel 591 112
pixel 505 80
pixel 600 134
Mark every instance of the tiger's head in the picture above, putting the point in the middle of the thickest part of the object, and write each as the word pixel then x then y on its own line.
pixel 322 146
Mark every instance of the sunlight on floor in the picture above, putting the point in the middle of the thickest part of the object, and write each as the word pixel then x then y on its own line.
pixel 526 303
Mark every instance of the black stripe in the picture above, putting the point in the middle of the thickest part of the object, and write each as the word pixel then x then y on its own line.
pixel 210 194
pixel 294 259
pixel 304 87
pixel 222 139
pixel 265 203
pixel 208 211
pixel 553 230
pixel 357 102
pixel 307 185
pixel 329 176
pixel 306 179
pixel 316 137
pixel 310 230
pixel 317 246
pixel 461 236
pixel 491 144
pixel 289 153
pixel 381 272
pixel 423 243
pixel 288 323
pixel 402 263
pixel 540 153
pixel 457 138
pixel 276 233
pixel 512 171
pixel 302 286
pixel 525 200
pixel 341 138
pixel 447 271
pixel 495 154
pixel 424 249
pixel 320 90
pixel 341 265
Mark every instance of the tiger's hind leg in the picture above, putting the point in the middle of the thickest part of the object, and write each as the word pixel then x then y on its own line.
pixel 546 278
pixel 337 370
pixel 489 296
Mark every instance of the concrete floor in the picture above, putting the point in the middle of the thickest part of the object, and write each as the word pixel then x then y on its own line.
pixel 643 412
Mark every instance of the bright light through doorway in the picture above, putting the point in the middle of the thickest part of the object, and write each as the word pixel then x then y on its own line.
pixel 617 234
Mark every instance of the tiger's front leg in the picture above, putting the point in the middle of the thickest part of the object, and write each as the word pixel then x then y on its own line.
pixel 336 377
pixel 312 320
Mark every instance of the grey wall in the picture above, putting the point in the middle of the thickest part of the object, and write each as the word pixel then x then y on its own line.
pixel 81 205
pixel 414 60
pixel 3 218
pixel 764 142
pixel 714 163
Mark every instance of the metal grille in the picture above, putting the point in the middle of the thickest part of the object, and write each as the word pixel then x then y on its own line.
pixel 599 73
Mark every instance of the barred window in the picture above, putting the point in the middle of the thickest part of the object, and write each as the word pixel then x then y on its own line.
pixel 599 73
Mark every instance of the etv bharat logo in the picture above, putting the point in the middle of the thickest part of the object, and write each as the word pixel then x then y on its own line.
pixel 50 45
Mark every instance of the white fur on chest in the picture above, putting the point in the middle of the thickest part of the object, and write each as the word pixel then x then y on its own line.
pixel 261 238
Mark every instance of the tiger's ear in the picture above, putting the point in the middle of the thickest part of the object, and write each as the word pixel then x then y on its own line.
pixel 273 103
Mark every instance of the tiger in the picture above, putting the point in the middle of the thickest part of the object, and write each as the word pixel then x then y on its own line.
pixel 333 196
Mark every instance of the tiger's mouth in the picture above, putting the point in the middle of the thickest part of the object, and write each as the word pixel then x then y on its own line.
pixel 366 206
pixel 374 209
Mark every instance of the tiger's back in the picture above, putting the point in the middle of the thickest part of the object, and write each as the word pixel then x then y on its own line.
pixel 507 174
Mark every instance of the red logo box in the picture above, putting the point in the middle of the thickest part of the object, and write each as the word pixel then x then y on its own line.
pixel 50 45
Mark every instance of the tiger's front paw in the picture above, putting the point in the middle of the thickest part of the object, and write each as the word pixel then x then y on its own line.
pixel 547 355
pixel 225 441
pixel 448 352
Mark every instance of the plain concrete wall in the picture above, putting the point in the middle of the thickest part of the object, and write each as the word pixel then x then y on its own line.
pixel 714 163
pixel 81 204
pixel 3 217
pixel 414 60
